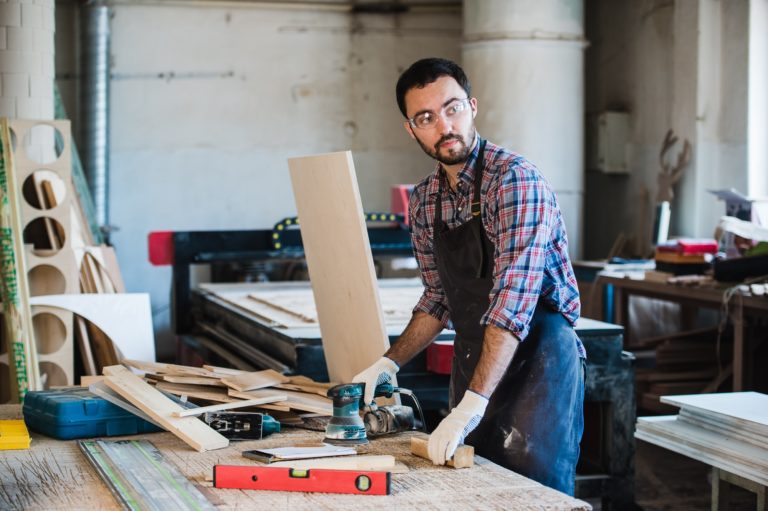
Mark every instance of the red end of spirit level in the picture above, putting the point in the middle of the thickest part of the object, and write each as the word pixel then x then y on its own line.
pixel 358 482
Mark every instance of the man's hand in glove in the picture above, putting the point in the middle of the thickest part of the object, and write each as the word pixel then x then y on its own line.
pixel 453 429
pixel 380 372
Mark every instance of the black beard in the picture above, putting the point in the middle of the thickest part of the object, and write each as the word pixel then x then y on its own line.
pixel 459 156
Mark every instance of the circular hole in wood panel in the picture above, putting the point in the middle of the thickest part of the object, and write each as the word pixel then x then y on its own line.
pixel 50 332
pixel 43 144
pixel 5 390
pixel 46 235
pixel 44 189
pixel 52 375
pixel 45 279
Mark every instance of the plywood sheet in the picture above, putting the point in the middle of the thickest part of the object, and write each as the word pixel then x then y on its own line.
pixel 339 260
pixel 125 318
pixel 749 409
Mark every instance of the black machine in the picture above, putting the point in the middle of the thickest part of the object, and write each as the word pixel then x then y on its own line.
pixel 210 330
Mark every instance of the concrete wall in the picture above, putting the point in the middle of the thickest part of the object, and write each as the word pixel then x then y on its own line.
pixel 670 64
pixel 210 99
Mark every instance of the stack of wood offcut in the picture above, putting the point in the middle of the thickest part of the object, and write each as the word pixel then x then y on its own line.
pixel 728 431
pixel 290 399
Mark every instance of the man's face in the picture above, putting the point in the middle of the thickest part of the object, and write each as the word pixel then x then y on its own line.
pixel 451 138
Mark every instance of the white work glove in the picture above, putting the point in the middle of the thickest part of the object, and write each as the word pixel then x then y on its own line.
pixel 380 372
pixel 453 429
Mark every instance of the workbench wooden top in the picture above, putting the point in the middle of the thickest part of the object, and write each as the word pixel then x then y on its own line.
pixel 53 474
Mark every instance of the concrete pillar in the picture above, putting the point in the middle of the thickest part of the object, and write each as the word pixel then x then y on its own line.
pixel 26 59
pixel 757 136
pixel 525 60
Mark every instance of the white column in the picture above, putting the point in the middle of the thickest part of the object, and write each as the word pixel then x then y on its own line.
pixel 757 116
pixel 26 59
pixel 525 60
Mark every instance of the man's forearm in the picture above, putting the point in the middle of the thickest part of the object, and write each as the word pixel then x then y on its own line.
pixel 499 347
pixel 420 332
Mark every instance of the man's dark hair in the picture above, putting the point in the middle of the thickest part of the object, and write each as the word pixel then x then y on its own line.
pixel 425 71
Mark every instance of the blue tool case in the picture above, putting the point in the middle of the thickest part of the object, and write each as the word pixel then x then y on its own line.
pixel 77 413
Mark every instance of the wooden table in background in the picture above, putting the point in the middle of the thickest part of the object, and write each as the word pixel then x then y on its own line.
pixel 53 474
pixel 739 307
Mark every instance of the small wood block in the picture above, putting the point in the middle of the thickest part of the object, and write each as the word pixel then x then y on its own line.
pixel 464 457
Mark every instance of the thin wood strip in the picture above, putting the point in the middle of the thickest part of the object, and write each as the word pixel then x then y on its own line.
pixel 15 289
pixel 380 462
pixel 192 412
pixel 46 203
pixel 84 344
pixel 255 380
pixel 160 368
pixel 295 401
pixel 152 402
pixel 209 393
pixel 189 380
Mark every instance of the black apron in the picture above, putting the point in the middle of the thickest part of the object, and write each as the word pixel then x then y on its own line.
pixel 534 418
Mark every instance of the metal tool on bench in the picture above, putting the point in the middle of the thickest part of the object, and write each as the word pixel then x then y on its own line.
pixel 347 427
pixel 242 425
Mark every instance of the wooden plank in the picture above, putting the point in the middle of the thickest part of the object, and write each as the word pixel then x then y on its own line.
pixel 706 446
pixel 227 371
pixel 189 380
pixel 207 392
pixel 749 409
pixel 88 380
pixel 338 255
pixel 14 288
pixel 381 462
pixel 192 412
pixel 464 457
pixel 173 369
pixel 255 380
pixel 189 429
pixel 295 400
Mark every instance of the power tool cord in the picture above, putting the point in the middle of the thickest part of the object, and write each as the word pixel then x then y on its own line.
pixel 410 394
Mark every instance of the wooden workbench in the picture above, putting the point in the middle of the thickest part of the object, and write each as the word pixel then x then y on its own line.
pixel 53 474
pixel 739 307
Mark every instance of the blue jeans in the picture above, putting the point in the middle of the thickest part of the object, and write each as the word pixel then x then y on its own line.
pixel 535 418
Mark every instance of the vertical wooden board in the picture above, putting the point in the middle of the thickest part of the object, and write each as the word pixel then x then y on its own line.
pixel 340 264
pixel 15 289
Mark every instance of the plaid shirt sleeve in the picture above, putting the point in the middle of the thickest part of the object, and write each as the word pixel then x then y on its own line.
pixel 526 210
pixel 433 300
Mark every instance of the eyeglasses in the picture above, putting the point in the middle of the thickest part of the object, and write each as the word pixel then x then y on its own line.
pixel 426 120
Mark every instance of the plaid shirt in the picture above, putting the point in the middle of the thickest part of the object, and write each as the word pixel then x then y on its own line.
pixel 522 219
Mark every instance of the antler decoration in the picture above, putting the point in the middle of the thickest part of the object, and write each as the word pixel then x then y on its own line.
pixel 670 175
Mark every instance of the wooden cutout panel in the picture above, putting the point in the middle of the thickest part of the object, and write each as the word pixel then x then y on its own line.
pixel 126 319
pixel 190 429
pixel 340 264
pixel 54 329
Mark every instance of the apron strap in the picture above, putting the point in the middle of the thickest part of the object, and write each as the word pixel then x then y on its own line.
pixel 478 178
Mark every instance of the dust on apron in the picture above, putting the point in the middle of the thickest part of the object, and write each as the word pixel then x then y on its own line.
pixel 534 420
